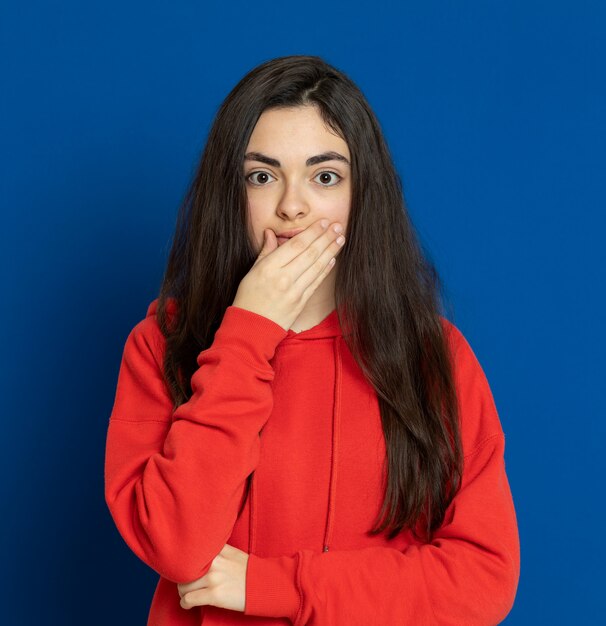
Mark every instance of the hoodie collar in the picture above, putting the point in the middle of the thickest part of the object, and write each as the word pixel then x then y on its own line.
pixel 328 327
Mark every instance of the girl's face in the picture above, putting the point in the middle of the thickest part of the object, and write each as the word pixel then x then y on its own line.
pixel 286 192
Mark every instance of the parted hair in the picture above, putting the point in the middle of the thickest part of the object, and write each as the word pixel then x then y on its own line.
pixel 389 293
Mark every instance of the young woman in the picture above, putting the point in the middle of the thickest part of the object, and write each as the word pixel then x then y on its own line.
pixel 299 436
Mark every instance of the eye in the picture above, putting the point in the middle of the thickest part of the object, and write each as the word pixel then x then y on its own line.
pixel 339 177
pixel 262 181
pixel 249 178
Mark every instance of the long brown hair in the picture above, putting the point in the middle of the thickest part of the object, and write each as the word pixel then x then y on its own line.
pixel 386 287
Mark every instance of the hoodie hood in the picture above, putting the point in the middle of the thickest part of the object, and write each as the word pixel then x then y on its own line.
pixel 328 327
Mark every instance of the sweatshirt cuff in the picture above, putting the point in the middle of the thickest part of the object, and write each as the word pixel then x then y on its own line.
pixel 271 589
pixel 253 336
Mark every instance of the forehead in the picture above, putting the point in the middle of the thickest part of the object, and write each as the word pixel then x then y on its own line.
pixel 299 130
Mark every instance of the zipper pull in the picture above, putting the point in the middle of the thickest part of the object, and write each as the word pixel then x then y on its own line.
pixel 325 549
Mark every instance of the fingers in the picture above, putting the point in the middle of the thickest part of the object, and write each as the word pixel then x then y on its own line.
pixel 314 244
pixel 292 249
pixel 200 597
pixel 311 279
pixel 184 588
pixel 270 243
pixel 317 259
pixel 304 260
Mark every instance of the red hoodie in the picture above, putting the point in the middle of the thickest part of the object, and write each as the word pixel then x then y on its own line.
pixel 279 452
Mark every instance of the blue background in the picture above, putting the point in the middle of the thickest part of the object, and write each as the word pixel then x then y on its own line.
pixel 495 116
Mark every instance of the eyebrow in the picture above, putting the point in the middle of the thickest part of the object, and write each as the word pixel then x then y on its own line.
pixel 314 160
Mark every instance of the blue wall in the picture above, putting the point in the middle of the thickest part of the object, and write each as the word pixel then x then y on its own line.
pixel 495 115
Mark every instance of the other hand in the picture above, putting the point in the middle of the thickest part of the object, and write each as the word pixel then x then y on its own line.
pixel 224 585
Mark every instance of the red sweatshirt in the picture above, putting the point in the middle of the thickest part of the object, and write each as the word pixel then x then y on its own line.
pixel 293 412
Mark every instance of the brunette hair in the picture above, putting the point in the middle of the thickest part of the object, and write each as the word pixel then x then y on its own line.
pixel 389 293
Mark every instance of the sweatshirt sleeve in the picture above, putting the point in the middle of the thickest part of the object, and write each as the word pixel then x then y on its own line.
pixel 175 479
pixel 468 574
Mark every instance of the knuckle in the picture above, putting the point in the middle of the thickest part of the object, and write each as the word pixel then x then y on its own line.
pixel 298 245
pixel 319 265
pixel 283 283
pixel 268 275
pixel 293 298
pixel 312 254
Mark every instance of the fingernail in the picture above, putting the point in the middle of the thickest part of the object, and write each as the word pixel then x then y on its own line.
pixel 324 223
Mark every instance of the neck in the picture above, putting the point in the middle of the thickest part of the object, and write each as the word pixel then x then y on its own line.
pixel 320 304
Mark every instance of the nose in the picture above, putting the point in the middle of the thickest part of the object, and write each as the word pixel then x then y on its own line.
pixel 292 203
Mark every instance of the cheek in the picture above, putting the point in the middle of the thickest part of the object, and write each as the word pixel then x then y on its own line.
pixel 257 221
pixel 257 209
pixel 342 212
pixel 252 211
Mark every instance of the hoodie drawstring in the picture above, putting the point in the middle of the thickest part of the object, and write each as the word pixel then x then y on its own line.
pixel 336 410
pixel 251 518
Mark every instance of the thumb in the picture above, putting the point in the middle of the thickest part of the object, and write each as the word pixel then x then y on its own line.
pixel 269 242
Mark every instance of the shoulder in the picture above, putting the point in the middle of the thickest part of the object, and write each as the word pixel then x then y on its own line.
pixel 460 349
pixel 142 394
pixel 478 413
pixel 146 339
pixel 454 337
